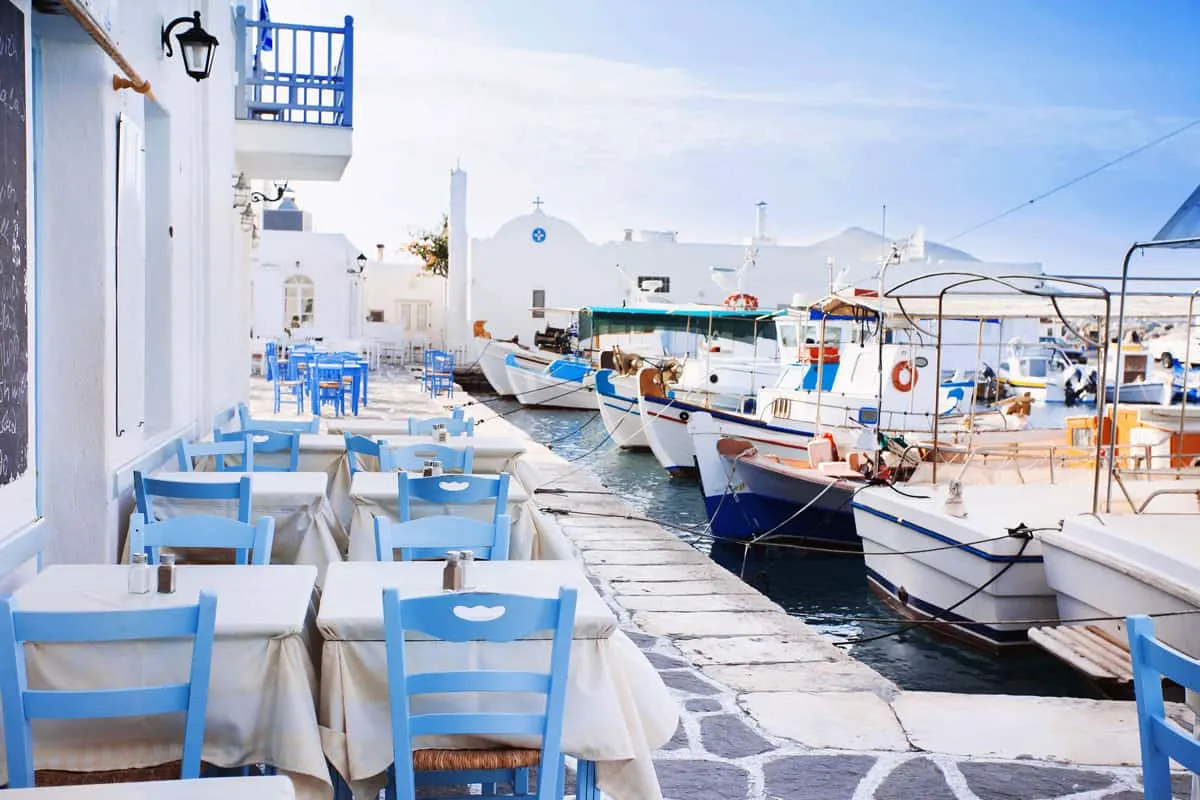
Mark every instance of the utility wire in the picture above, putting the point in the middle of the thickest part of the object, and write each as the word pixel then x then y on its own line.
pixel 1075 180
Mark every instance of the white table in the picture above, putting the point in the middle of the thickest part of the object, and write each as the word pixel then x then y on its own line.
pixel 617 709
pixel 261 694
pixel 306 529
pixel 326 452
pixel 275 787
pixel 492 453
pixel 377 494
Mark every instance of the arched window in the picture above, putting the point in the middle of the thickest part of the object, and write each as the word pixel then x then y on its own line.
pixel 298 296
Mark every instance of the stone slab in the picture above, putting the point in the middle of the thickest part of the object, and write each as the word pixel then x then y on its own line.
pixel 726 585
pixel 697 602
pixel 837 720
pixel 1029 781
pixel 1072 730
pixel 714 623
pixel 644 557
pixel 916 778
pixel 700 780
pixel 759 650
pixel 816 777
pixel 813 676
pixel 635 543
pixel 728 736
pixel 617 573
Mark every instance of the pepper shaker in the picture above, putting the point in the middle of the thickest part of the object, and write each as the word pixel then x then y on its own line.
pixel 451 573
pixel 466 566
pixel 166 574
pixel 139 574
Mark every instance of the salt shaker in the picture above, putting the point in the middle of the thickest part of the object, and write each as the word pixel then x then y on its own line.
pixel 452 573
pixel 442 434
pixel 166 574
pixel 139 574
pixel 437 432
pixel 465 564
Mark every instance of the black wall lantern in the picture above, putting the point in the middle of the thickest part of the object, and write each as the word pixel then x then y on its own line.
pixel 197 47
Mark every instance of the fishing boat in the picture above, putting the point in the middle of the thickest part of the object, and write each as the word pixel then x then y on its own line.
pixel 1047 373
pixel 563 383
pixel 492 360
pixel 1140 383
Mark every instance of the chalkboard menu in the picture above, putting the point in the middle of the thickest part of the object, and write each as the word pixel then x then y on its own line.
pixel 14 309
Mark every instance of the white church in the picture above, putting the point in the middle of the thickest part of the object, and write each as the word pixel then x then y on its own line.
pixel 539 261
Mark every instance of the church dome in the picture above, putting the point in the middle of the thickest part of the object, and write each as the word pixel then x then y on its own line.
pixel 539 227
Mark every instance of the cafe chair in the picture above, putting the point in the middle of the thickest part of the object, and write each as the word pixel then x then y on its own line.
pixel 412 457
pixel 433 537
pixel 455 426
pixel 1162 740
pixel 146 489
pixel 251 544
pixel 312 425
pixel 187 453
pixel 22 704
pixel 266 442
pixel 447 618
pixel 361 446
pixel 452 490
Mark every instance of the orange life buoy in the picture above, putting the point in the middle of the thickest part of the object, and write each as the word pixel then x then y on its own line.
pixel 743 301
pixel 909 373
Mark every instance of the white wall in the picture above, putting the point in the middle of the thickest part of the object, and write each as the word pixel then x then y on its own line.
pixel 322 257
pixel 196 265
pixel 390 283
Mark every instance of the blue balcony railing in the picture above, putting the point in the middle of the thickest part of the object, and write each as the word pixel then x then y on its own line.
pixel 295 73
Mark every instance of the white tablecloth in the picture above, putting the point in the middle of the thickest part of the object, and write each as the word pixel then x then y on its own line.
pixel 306 529
pixel 377 494
pixel 493 454
pixel 260 788
pixel 617 709
pixel 261 705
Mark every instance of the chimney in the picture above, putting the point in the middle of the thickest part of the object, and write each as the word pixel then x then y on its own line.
pixel 629 234
pixel 760 221
pixel 379 251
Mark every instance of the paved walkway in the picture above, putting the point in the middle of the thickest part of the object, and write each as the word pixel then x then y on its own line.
pixel 772 711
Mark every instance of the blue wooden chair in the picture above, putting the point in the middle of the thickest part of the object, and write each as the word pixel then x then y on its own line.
pixel 329 386
pixel 443 617
pixel 455 426
pixel 413 457
pixel 22 704
pixel 1161 739
pixel 438 373
pixel 246 422
pixel 251 544
pixel 452 490
pixel 433 537
pixel 290 384
pixel 188 452
pixel 265 442
pixel 146 489
pixel 361 446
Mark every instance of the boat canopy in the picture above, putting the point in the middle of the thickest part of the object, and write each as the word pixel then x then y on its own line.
pixel 742 325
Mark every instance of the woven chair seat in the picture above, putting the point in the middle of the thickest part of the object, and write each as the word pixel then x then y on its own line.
pixel 163 772
pixel 329 385
pixel 433 760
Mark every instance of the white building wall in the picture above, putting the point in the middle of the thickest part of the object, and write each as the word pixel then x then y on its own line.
pixel 322 257
pixel 390 284
pixel 196 266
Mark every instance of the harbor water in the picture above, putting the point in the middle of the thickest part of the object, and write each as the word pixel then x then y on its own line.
pixel 826 591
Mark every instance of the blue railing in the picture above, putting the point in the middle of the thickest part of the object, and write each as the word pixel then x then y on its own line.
pixel 295 73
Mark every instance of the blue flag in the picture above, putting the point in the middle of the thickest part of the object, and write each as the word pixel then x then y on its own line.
pixel 1184 223
pixel 265 42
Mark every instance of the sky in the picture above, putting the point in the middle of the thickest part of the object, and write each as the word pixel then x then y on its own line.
pixel 682 114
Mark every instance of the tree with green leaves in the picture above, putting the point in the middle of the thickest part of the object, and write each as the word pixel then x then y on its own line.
pixel 433 248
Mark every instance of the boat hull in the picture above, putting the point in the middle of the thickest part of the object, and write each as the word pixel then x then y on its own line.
pixel 491 363
pixel 542 389
pixel 664 423
pixel 618 403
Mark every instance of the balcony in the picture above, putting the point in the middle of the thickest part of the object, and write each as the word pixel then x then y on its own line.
pixel 295 99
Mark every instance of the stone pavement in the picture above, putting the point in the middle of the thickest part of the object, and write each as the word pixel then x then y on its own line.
pixel 769 709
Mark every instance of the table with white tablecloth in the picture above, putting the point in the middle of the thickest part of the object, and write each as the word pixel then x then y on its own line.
pixel 618 710
pixel 261 703
pixel 377 494
pixel 257 788
pixel 306 529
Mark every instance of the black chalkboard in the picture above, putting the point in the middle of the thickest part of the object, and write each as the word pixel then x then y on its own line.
pixel 14 308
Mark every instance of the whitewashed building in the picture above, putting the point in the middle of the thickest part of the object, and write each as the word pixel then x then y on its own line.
pixel 124 270
pixel 538 259
pixel 405 304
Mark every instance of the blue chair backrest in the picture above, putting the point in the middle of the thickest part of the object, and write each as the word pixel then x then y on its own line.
pixel 248 423
pixel 569 370
pixel 1161 739
pixel 22 704
pixel 433 537
pixel 455 426
pixel 145 489
pixel 360 446
pixel 187 452
pixel 250 543
pixel 413 457
pixel 268 442
pixel 446 617
pixel 452 490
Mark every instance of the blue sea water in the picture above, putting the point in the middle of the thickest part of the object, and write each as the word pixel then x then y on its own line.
pixel 813 587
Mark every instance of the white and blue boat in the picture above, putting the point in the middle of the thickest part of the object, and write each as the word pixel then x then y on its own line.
pixel 564 383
